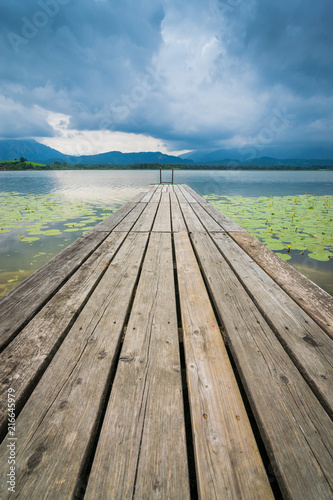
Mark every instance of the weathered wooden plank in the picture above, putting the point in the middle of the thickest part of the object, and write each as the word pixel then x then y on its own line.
pixel 141 451
pixel 316 302
pixel 178 223
pixel 148 196
pixel 140 195
pixel 163 218
pixel 227 459
pixel 208 222
pixel 195 195
pixel 225 222
pixel 179 194
pixel 27 356
pixel 189 198
pixel 308 345
pixel 295 427
pixel 165 198
pixel 22 303
pixel 146 219
pixel 114 219
pixel 173 197
pixel 157 195
pixel 57 426
pixel 128 222
pixel 191 219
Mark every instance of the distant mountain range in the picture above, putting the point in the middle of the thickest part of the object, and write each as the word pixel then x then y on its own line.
pixel 36 152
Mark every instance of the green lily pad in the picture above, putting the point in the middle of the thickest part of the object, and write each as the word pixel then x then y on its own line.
pixel 302 222
pixel 284 256
pixel 30 239
pixel 322 255
pixel 51 232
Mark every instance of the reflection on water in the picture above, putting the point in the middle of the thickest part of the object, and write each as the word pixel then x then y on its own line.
pixel 97 190
pixel 111 186
pixel 319 272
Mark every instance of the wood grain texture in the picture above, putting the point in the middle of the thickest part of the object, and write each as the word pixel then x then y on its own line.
pixel 110 222
pixel 178 223
pixel 148 196
pixel 192 222
pixel 163 219
pixel 226 223
pixel 181 198
pixel 57 426
pixel 207 220
pixel 187 195
pixel 308 345
pixel 128 222
pixel 141 451
pixel 295 427
pixel 314 300
pixel 27 356
pixel 165 198
pixel 228 462
pixel 193 193
pixel 146 219
pixel 22 303
pixel 157 195
pixel 141 194
pixel 173 197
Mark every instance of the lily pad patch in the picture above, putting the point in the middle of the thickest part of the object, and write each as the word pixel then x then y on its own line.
pixel 303 222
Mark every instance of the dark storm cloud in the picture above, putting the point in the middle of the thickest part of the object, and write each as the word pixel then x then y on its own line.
pixel 291 43
pixel 197 75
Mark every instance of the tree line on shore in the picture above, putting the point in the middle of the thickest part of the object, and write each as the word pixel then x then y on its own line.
pixel 24 164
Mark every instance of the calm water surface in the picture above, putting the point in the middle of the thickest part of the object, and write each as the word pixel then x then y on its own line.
pixel 119 186
pixel 19 258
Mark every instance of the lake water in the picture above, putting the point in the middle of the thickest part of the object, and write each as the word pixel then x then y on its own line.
pixel 42 212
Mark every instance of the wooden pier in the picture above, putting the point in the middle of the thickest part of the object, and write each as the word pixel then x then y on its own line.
pixel 166 354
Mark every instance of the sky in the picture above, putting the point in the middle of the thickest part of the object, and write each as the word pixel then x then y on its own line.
pixel 88 76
